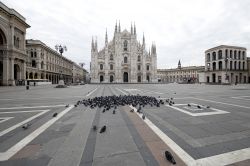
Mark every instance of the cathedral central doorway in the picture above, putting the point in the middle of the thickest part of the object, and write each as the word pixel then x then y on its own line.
pixel 125 77
pixel 139 79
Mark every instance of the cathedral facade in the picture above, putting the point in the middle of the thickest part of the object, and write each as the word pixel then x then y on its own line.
pixel 123 59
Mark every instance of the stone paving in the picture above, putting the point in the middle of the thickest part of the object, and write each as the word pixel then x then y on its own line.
pixel 217 133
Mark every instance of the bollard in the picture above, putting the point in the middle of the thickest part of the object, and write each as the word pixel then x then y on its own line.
pixel 27 87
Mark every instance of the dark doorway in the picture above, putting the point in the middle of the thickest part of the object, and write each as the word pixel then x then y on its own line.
pixel 213 77
pixel 236 79
pixel 148 78
pixel 111 78
pixel 16 72
pixel 208 79
pixel 139 79
pixel 125 77
pixel 101 78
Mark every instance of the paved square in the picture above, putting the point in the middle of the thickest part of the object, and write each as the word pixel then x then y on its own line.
pixel 207 125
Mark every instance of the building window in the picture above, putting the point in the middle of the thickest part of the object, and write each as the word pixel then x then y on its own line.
pixel 147 67
pixel 208 57
pixel 243 55
pixel 239 65
pixel 42 64
pixel 231 53
pixel 33 63
pixel 125 45
pixel 220 65
pixel 231 65
pixel 125 59
pixel 139 58
pixel 111 67
pixel 214 56
pixel 220 54
pixel 239 55
pixel 235 65
pixel 35 54
pixel 101 66
pixel 243 65
pixel 235 52
pixel 226 53
pixel 139 67
pixel 31 54
pixel 214 65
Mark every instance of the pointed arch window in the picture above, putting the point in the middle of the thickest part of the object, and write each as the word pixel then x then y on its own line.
pixel 125 59
pixel 125 45
pixel 139 58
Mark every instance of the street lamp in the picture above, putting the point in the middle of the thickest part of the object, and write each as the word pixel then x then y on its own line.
pixel 61 49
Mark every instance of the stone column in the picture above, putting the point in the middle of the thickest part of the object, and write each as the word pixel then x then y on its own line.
pixel 11 72
pixel 24 71
pixel 5 70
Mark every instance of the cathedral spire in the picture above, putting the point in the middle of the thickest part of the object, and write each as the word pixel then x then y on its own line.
pixel 119 28
pixel 131 29
pixel 96 47
pixel 143 40
pixel 179 64
pixel 134 29
pixel 116 27
pixel 106 38
pixel 92 44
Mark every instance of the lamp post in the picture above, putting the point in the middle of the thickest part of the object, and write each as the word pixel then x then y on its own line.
pixel 61 49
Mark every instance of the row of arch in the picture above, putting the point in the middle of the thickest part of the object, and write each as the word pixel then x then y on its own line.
pixel 233 54
pixel 232 65
pixel 125 78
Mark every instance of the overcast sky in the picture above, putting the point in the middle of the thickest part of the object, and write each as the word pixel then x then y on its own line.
pixel 181 29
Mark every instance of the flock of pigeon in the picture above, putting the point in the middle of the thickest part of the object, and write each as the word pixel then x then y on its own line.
pixel 106 103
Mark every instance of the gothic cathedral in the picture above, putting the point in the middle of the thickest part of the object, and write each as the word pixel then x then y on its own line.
pixel 123 60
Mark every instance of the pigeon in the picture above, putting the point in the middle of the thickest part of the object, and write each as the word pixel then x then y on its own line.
pixel 103 129
pixel 170 157
pixel 208 106
pixel 94 127
pixel 143 116
pixel 113 111
pixel 170 104
pixel 67 105
pixel 55 114
pixel 103 110
pixel 189 105
pixel 198 106
pixel 75 105
pixel 26 126
pixel 132 110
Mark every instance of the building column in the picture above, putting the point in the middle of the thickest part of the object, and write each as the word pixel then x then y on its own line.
pixel 5 71
pixel 24 71
pixel 11 72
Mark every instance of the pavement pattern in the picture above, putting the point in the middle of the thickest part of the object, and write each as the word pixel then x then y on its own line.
pixel 216 133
